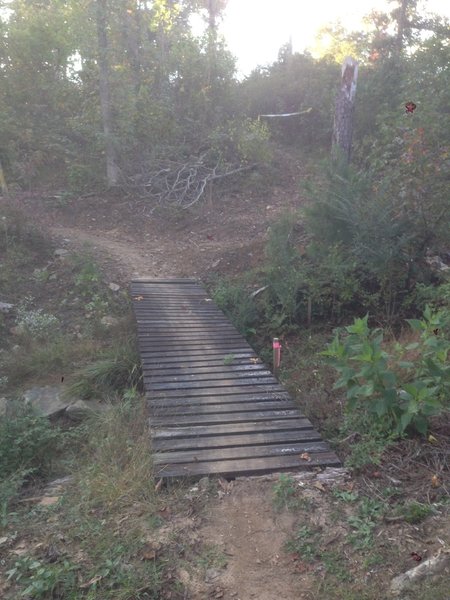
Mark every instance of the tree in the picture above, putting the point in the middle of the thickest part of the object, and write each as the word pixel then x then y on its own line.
pixel 112 170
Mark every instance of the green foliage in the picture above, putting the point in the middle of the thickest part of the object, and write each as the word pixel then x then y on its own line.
pixel 364 522
pixel 236 302
pixel 285 492
pixel 43 580
pixel 114 371
pixel 228 359
pixel 116 465
pixel 393 392
pixel 415 512
pixel 35 323
pixel 294 83
pixel 27 442
pixel 28 446
pixel 305 542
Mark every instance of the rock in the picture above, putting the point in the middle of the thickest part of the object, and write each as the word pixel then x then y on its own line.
pixel 204 484
pixel 80 409
pixel 212 574
pixel 61 252
pixel 55 487
pixel 109 321
pixel 16 330
pixel 49 501
pixel 47 400
pixel 114 287
pixel 3 406
pixel 429 569
pixel 5 307
pixel 53 277
pixel 16 348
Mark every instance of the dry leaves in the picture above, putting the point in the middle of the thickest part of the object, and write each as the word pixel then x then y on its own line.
pixel 305 456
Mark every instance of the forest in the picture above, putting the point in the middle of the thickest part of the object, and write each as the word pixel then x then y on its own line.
pixel 130 144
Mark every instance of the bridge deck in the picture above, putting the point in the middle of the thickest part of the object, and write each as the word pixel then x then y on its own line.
pixel 214 407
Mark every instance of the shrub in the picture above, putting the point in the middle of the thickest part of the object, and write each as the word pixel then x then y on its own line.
pixel 27 442
pixel 114 371
pixel 395 393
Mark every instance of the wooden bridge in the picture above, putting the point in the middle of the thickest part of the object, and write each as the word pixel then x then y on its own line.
pixel 214 407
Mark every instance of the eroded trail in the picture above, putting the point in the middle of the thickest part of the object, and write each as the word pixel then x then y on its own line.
pixel 127 256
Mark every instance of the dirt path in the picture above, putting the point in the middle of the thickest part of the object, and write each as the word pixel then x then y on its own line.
pixel 251 535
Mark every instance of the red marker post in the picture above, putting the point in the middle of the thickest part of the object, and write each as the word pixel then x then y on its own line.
pixel 276 346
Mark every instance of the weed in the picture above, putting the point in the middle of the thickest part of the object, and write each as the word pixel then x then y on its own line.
pixel 305 544
pixel 363 523
pixel 415 512
pixel 39 359
pixel 285 494
pixel 116 370
pixel 27 441
pixel 211 557
pixel 228 359
pixel 117 466
pixel 43 580
pixel 237 303
pixel 336 565
pixel 345 496
pixel 35 323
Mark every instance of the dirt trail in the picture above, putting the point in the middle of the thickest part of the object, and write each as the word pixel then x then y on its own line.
pixel 251 535
pixel 127 256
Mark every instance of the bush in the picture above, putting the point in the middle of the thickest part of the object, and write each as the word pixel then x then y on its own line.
pixel 382 247
pixel 117 467
pixel 27 442
pixel 395 392
pixel 114 371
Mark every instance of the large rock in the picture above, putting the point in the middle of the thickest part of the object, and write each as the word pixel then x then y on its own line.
pixel 5 307
pixel 47 400
pixel 3 405
pixel 80 409
pixel 109 321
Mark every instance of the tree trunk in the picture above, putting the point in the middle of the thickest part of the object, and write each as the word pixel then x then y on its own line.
pixel 3 185
pixel 343 117
pixel 112 170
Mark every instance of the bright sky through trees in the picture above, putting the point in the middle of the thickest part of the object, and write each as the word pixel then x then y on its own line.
pixel 256 29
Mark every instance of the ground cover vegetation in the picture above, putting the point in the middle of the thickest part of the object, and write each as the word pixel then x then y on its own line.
pixel 128 86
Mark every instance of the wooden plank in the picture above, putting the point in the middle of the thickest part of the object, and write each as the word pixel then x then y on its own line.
pixel 186 325
pixel 175 370
pixel 189 339
pixel 248 466
pixel 224 391
pixel 190 363
pixel 219 383
pixel 242 440
pixel 194 409
pixel 235 342
pixel 218 373
pixel 208 454
pixel 190 331
pixel 216 399
pixel 160 420
pixel 203 352
pixel 229 429
pixel 171 280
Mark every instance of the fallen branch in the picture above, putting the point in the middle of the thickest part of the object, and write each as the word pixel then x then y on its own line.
pixel 182 184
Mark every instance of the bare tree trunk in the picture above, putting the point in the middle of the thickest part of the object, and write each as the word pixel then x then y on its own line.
pixel 401 24
pixel 343 117
pixel 112 170
pixel 3 185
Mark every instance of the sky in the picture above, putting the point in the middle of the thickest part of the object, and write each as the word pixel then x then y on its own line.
pixel 256 29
